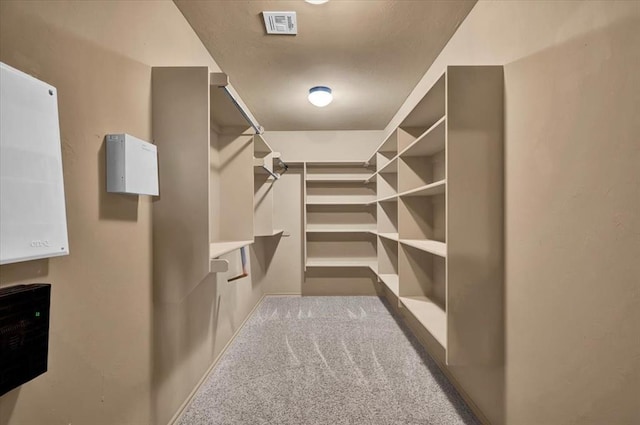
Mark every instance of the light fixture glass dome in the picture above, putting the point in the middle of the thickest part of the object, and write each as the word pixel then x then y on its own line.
pixel 316 1
pixel 320 96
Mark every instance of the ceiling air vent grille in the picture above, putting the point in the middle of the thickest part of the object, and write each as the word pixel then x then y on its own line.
pixel 280 22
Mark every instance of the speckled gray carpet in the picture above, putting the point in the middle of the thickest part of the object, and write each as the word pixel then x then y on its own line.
pixel 326 360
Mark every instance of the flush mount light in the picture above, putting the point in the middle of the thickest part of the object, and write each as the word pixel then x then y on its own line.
pixel 316 1
pixel 320 96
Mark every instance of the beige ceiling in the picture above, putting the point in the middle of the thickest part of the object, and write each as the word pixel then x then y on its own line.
pixel 370 52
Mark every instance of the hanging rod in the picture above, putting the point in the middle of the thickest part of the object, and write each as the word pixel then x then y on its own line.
pixel 271 173
pixel 221 80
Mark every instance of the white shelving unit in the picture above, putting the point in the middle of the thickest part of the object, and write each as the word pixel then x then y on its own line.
pixel 340 222
pixel 439 213
pixel 205 208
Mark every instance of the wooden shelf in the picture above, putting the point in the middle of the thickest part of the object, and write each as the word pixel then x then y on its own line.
pixel 392 236
pixel 430 315
pixel 217 249
pixel 275 232
pixel 429 142
pixel 432 247
pixel 346 162
pixel 339 178
pixel 341 227
pixel 391 198
pixel 431 189
pixel 340 230
pixel 346 201
pixel 344 262
pixel 391 281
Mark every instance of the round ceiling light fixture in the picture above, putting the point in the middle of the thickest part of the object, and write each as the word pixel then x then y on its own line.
pixel 316 1
pixel 320 96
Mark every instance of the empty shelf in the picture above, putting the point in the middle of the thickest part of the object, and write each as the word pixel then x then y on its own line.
pixel 217 249
pixel 392 282
pixel 391 198
pixel 338 162
pixel 430 315
pixel 341 227
pixel 274 233
pixel 334 201
pixel 429 142
pixel 343 262
pixel 435 188
pixel 339 178
pixel 392 236
pixel 340 230
pixel 433 247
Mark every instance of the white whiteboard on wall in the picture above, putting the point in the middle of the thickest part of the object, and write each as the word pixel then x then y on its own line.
pixel 33 222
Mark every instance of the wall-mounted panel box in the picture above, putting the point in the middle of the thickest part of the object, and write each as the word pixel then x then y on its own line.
pixel 24 333
pixel 132 165
pixel 33 220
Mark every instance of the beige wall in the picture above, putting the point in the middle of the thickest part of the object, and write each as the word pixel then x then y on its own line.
pixel 118 353
pixel 572 73
pixel 357 145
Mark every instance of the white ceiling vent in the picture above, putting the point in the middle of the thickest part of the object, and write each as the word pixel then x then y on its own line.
pixel 280 22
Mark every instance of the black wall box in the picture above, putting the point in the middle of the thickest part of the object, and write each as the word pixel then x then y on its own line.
pixel 24 333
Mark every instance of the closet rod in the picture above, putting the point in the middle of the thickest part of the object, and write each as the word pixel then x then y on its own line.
pixel 271 173
pixel 221 80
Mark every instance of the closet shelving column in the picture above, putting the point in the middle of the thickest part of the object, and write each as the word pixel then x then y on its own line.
pixel 448 154
pixel 386 175
pixel 340 223
pixel 422 214
pixel 205 208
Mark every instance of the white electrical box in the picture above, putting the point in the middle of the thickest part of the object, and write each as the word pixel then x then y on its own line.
pixel 33 220
pixel 132 165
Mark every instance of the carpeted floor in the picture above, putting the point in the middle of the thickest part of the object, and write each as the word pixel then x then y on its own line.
pixel 326 360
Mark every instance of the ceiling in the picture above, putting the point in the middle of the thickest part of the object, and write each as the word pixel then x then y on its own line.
pixel 371 53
